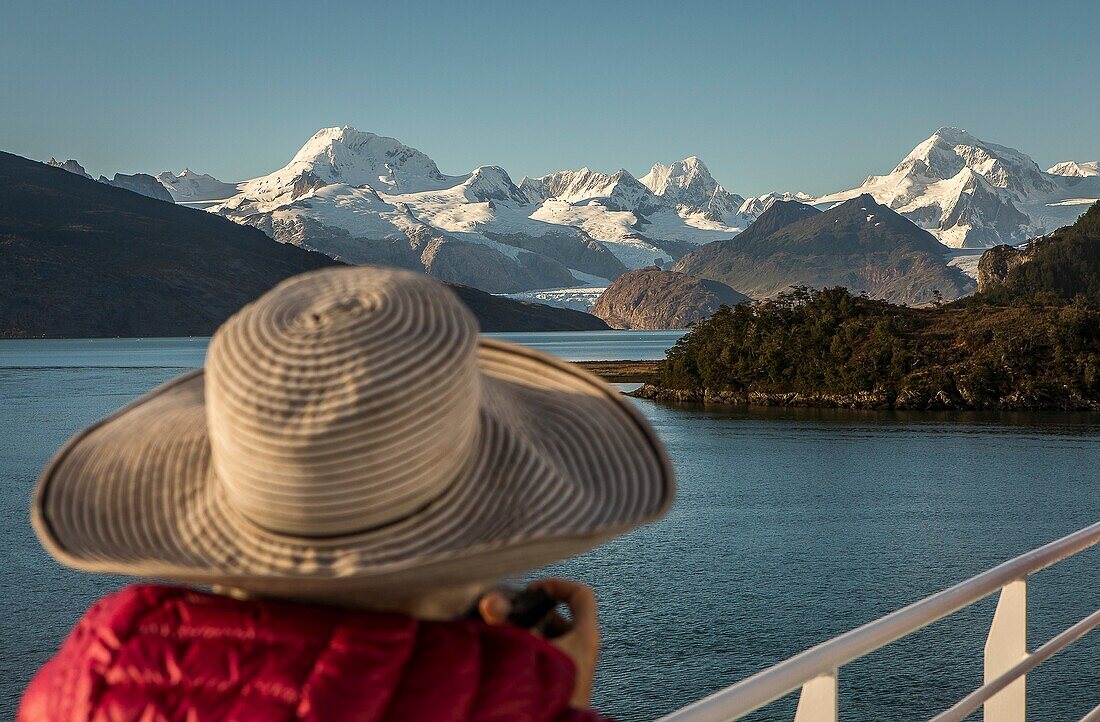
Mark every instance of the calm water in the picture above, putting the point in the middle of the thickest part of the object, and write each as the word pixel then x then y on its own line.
pixel 790 527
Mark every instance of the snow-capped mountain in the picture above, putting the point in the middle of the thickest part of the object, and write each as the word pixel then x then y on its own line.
pixel 367 198
pixel 650 220
pixel 192 187
pixel 973 194
pixel 688 185
pixel 619 191
pixel 491 183
pixel 1075 169
pixel 350 157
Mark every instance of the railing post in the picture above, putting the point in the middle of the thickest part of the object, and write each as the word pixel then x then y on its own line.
pixel 1005 646
pixel 817 701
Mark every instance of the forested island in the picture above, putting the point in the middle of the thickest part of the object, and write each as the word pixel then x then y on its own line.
pixel 1030 339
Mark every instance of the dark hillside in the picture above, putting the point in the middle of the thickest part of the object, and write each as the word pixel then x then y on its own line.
pixel 859 244
pixel 81 258
pixel 650 298
pixel 713 260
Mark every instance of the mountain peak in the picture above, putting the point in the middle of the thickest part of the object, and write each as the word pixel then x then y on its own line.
pixel 353 157
pixel 865 200
pixel 661 179
pixel 949 152
pixel 686 181
pixel 778 214
pixel 952 134
pixel 755 206
pixel 857 243
pixel 863 208
pixel 618 191
pixel 326 138
pixel 70 165
pixel 694 162
pixel 971 193
pixel 864 212
pixel 492 183
pixel 687 185
pixel 1073 168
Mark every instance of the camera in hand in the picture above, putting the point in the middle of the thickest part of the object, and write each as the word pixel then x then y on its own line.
pixel 531 609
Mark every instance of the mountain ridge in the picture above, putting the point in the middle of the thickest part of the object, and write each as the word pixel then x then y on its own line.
pixel 363 197
pixel 859 244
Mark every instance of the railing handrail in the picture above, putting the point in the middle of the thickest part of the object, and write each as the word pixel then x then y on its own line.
pixel 962 709
pixel 770 684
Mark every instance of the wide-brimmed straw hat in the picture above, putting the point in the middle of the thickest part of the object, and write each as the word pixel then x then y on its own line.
pixel 352 430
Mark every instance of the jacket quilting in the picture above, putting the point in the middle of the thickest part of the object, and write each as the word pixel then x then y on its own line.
pixel 169 654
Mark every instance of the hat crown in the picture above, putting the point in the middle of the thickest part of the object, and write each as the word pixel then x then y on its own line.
pixel 342 400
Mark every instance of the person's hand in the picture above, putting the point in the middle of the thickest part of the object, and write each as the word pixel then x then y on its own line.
pixel 579 640
pixel 581 643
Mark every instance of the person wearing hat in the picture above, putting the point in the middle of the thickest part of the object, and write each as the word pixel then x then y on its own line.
pixel 354 470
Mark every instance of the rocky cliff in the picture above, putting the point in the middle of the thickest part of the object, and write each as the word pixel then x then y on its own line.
pixel 142 183
pixel 650 298
pixel 1063 266
pixel 996 263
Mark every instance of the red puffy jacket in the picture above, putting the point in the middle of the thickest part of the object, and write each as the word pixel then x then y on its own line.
pixel 160 654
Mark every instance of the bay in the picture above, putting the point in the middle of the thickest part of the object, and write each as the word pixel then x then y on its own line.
pixel 790 526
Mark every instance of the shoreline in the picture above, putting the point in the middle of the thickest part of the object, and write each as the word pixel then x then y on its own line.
pixel 622 372
pixel 645 374
pixel 871 400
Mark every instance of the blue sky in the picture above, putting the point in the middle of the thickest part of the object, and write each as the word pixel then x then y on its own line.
pixel 772 95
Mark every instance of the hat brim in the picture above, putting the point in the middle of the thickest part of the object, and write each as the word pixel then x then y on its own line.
pixel 563 463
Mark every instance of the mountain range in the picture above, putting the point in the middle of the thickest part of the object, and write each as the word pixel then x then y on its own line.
pixel 81 258
pixel 974 194
pixel 365 198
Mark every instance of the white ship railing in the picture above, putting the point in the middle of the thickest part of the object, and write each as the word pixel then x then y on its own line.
pixel 1007 660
